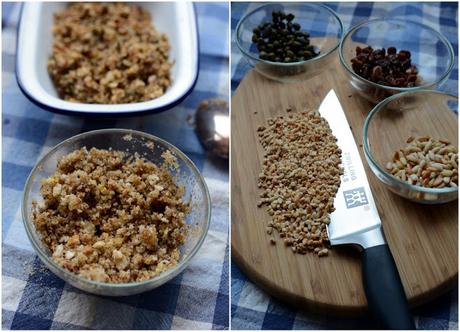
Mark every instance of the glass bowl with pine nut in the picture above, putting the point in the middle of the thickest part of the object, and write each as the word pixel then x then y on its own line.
pixel 126 240
pixel 315 25
pixel 425 48
pixel 411 144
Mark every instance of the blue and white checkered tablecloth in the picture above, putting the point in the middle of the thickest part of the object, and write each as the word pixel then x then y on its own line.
pixel 251 308
pixel 33 297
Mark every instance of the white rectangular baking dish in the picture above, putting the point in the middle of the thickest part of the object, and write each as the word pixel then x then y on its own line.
pixel 34 46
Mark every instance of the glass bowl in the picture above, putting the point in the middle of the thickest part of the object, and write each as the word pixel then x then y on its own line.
pixel 394 120
pixel 323 25
pixel 186 175
pixel 430 51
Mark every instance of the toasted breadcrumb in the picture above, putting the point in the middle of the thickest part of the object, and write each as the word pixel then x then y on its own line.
pixel 108 53
pixel 111 217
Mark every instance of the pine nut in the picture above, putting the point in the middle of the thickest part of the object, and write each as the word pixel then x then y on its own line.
pixel 427 162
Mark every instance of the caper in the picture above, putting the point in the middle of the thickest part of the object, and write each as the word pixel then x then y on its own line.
pixel 307 54
pixel 302 40
pixel 296 44
pixel 281 39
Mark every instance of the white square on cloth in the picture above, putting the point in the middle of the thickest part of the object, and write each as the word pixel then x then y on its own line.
pixel 76 308
pixel 179 323
pixel 252 298
pixel 12 289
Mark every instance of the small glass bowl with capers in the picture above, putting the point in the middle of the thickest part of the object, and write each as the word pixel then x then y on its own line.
pixel 289 42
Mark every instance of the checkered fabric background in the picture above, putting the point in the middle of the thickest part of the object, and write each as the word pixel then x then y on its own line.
pixel 251 308
pixel 34 298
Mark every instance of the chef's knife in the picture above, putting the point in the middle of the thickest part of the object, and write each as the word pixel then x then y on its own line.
pixel 356 221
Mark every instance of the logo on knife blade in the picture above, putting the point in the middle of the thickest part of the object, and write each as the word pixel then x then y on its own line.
pixel 355 197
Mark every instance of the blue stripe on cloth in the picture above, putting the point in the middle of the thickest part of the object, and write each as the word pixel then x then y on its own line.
pixel 7 8
pixel 14 176
pixel 11 198
pixel 222 302
pixel 8 62
pixel 277 322
pixel 41 294
pixel 30 322
pixel 26 129
pixel 162 299
pixel 7 319
pixel 190 307
pixel 65 326
pixel 40 275
pixel 278 317
pixel 246 318
pixel 10 258
pixel 151 320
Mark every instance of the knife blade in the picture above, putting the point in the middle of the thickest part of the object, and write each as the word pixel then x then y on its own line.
pixel 355 213
pixel 356 221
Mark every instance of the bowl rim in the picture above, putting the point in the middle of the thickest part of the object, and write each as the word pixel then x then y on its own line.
pixel 157 280
pixel 373 163
pixel 446 42
pixel 290 64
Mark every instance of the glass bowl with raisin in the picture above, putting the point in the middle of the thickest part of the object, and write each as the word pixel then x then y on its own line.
pixel 383 57
pixel 289 42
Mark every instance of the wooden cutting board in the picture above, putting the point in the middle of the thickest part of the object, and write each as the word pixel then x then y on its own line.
pixel 423 239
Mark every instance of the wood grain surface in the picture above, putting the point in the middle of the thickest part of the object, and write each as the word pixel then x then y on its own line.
pixel 423 239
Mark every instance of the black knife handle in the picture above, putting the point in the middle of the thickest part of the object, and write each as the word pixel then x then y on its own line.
pixel 384 290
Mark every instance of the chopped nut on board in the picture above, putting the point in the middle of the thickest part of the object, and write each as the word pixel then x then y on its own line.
pixel 300 178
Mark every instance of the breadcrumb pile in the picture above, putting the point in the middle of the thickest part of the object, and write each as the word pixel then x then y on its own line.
pixel 112 217
pixel 108 53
